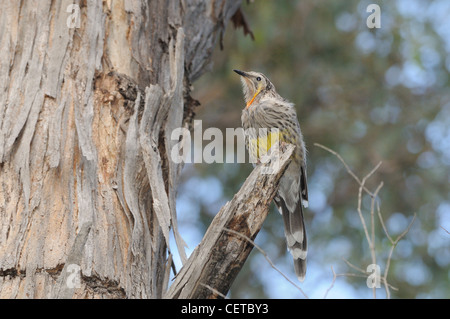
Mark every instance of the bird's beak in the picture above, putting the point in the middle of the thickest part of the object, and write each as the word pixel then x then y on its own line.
pixel 246 77
pixel 241 73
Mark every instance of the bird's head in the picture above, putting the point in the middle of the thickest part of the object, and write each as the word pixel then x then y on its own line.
pixel 254 85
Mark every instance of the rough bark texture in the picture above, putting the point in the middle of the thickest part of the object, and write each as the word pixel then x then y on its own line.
pixel 216 261
pixel 85 120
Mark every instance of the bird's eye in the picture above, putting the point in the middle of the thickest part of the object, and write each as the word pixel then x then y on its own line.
pixel 258 79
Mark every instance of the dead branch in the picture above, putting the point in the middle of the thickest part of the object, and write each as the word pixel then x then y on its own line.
pixel 369 237
pixel 217 260
pixel 332 283
pixel 394 244
pixel 356 178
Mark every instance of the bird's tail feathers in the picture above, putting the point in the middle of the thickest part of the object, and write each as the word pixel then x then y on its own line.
pixel 294 229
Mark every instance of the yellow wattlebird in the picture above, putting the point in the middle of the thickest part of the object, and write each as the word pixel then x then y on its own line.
pixel 266 111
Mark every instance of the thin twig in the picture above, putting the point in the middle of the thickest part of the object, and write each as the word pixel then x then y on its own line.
pixel 332 283
pixel 372 223
pixel 406 230
pixel 386 270
pixel 370 239
pixel 388 262
pixel 267 258
pixel 353 266
pixel 372 213
pixel 341 159
pixel 214 290
pixel 350 274
pixel 383 225
pixel 356 178
pixel 388 284
pixel 361 217
pixel 445 230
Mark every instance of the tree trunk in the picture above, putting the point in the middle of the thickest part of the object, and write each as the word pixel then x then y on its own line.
pixel 90 92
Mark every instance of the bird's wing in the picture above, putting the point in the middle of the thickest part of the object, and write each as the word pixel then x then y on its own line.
pixel 304 186
pixel 291 197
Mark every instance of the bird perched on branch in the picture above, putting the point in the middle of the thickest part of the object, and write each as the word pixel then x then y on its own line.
pixel 266 111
